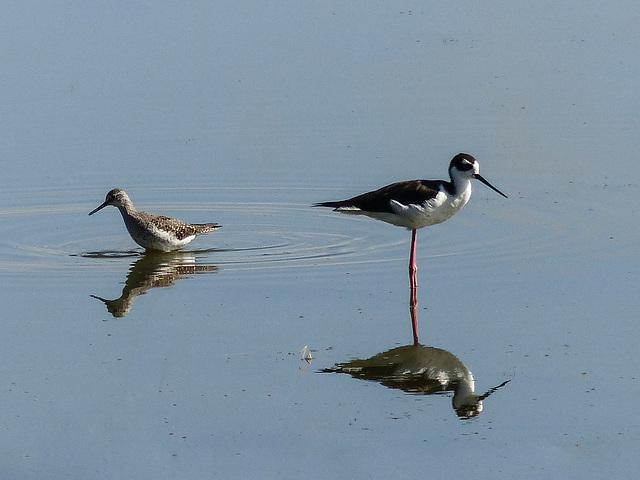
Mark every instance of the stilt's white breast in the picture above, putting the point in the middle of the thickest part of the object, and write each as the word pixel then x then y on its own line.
pixel 435 210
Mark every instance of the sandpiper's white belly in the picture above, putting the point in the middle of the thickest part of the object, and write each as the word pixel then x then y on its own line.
pixel 162 240
pixel 154 238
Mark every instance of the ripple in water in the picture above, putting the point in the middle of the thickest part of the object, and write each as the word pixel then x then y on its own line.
pixel 49 231
pixel 62 236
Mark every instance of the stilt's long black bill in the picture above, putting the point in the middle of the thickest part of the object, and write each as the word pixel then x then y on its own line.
pixel 481 178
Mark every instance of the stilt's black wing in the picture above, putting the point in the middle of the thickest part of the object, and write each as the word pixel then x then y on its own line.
pixel 408 192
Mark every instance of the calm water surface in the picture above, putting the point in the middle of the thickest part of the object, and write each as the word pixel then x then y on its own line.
pixel 262 350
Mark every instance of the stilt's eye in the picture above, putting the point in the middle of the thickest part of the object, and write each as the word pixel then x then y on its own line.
pixel 466 164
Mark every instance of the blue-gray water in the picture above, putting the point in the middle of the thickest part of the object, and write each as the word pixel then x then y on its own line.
pixel 247 113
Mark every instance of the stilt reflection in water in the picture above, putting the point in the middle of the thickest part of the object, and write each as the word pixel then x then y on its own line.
pixel 151 270
pixel 423 370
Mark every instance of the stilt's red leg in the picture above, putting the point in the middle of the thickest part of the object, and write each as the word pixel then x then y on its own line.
pixel 413 309
pixel 413 268
pixel 413 279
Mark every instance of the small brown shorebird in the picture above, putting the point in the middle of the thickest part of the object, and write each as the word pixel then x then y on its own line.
pixel 414 204
pixel 151 231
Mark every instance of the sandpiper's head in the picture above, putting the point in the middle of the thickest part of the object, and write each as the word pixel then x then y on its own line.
pixel 116 197
pixel 464 167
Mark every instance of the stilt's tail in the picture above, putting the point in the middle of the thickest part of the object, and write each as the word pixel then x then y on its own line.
pixel 334 205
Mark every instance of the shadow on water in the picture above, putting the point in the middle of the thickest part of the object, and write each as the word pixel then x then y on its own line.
pixel 420 369
pixel 151 270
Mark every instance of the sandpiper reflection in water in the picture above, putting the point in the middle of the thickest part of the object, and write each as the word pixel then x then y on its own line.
pixel 151 270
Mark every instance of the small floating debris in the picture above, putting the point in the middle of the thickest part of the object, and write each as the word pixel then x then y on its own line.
pixel 305 354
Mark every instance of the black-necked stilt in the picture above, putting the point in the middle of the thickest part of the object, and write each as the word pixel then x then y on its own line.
pixel 151 231
pixel 414 204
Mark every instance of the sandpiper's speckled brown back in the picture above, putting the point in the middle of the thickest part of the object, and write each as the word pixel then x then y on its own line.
pixel 177 227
